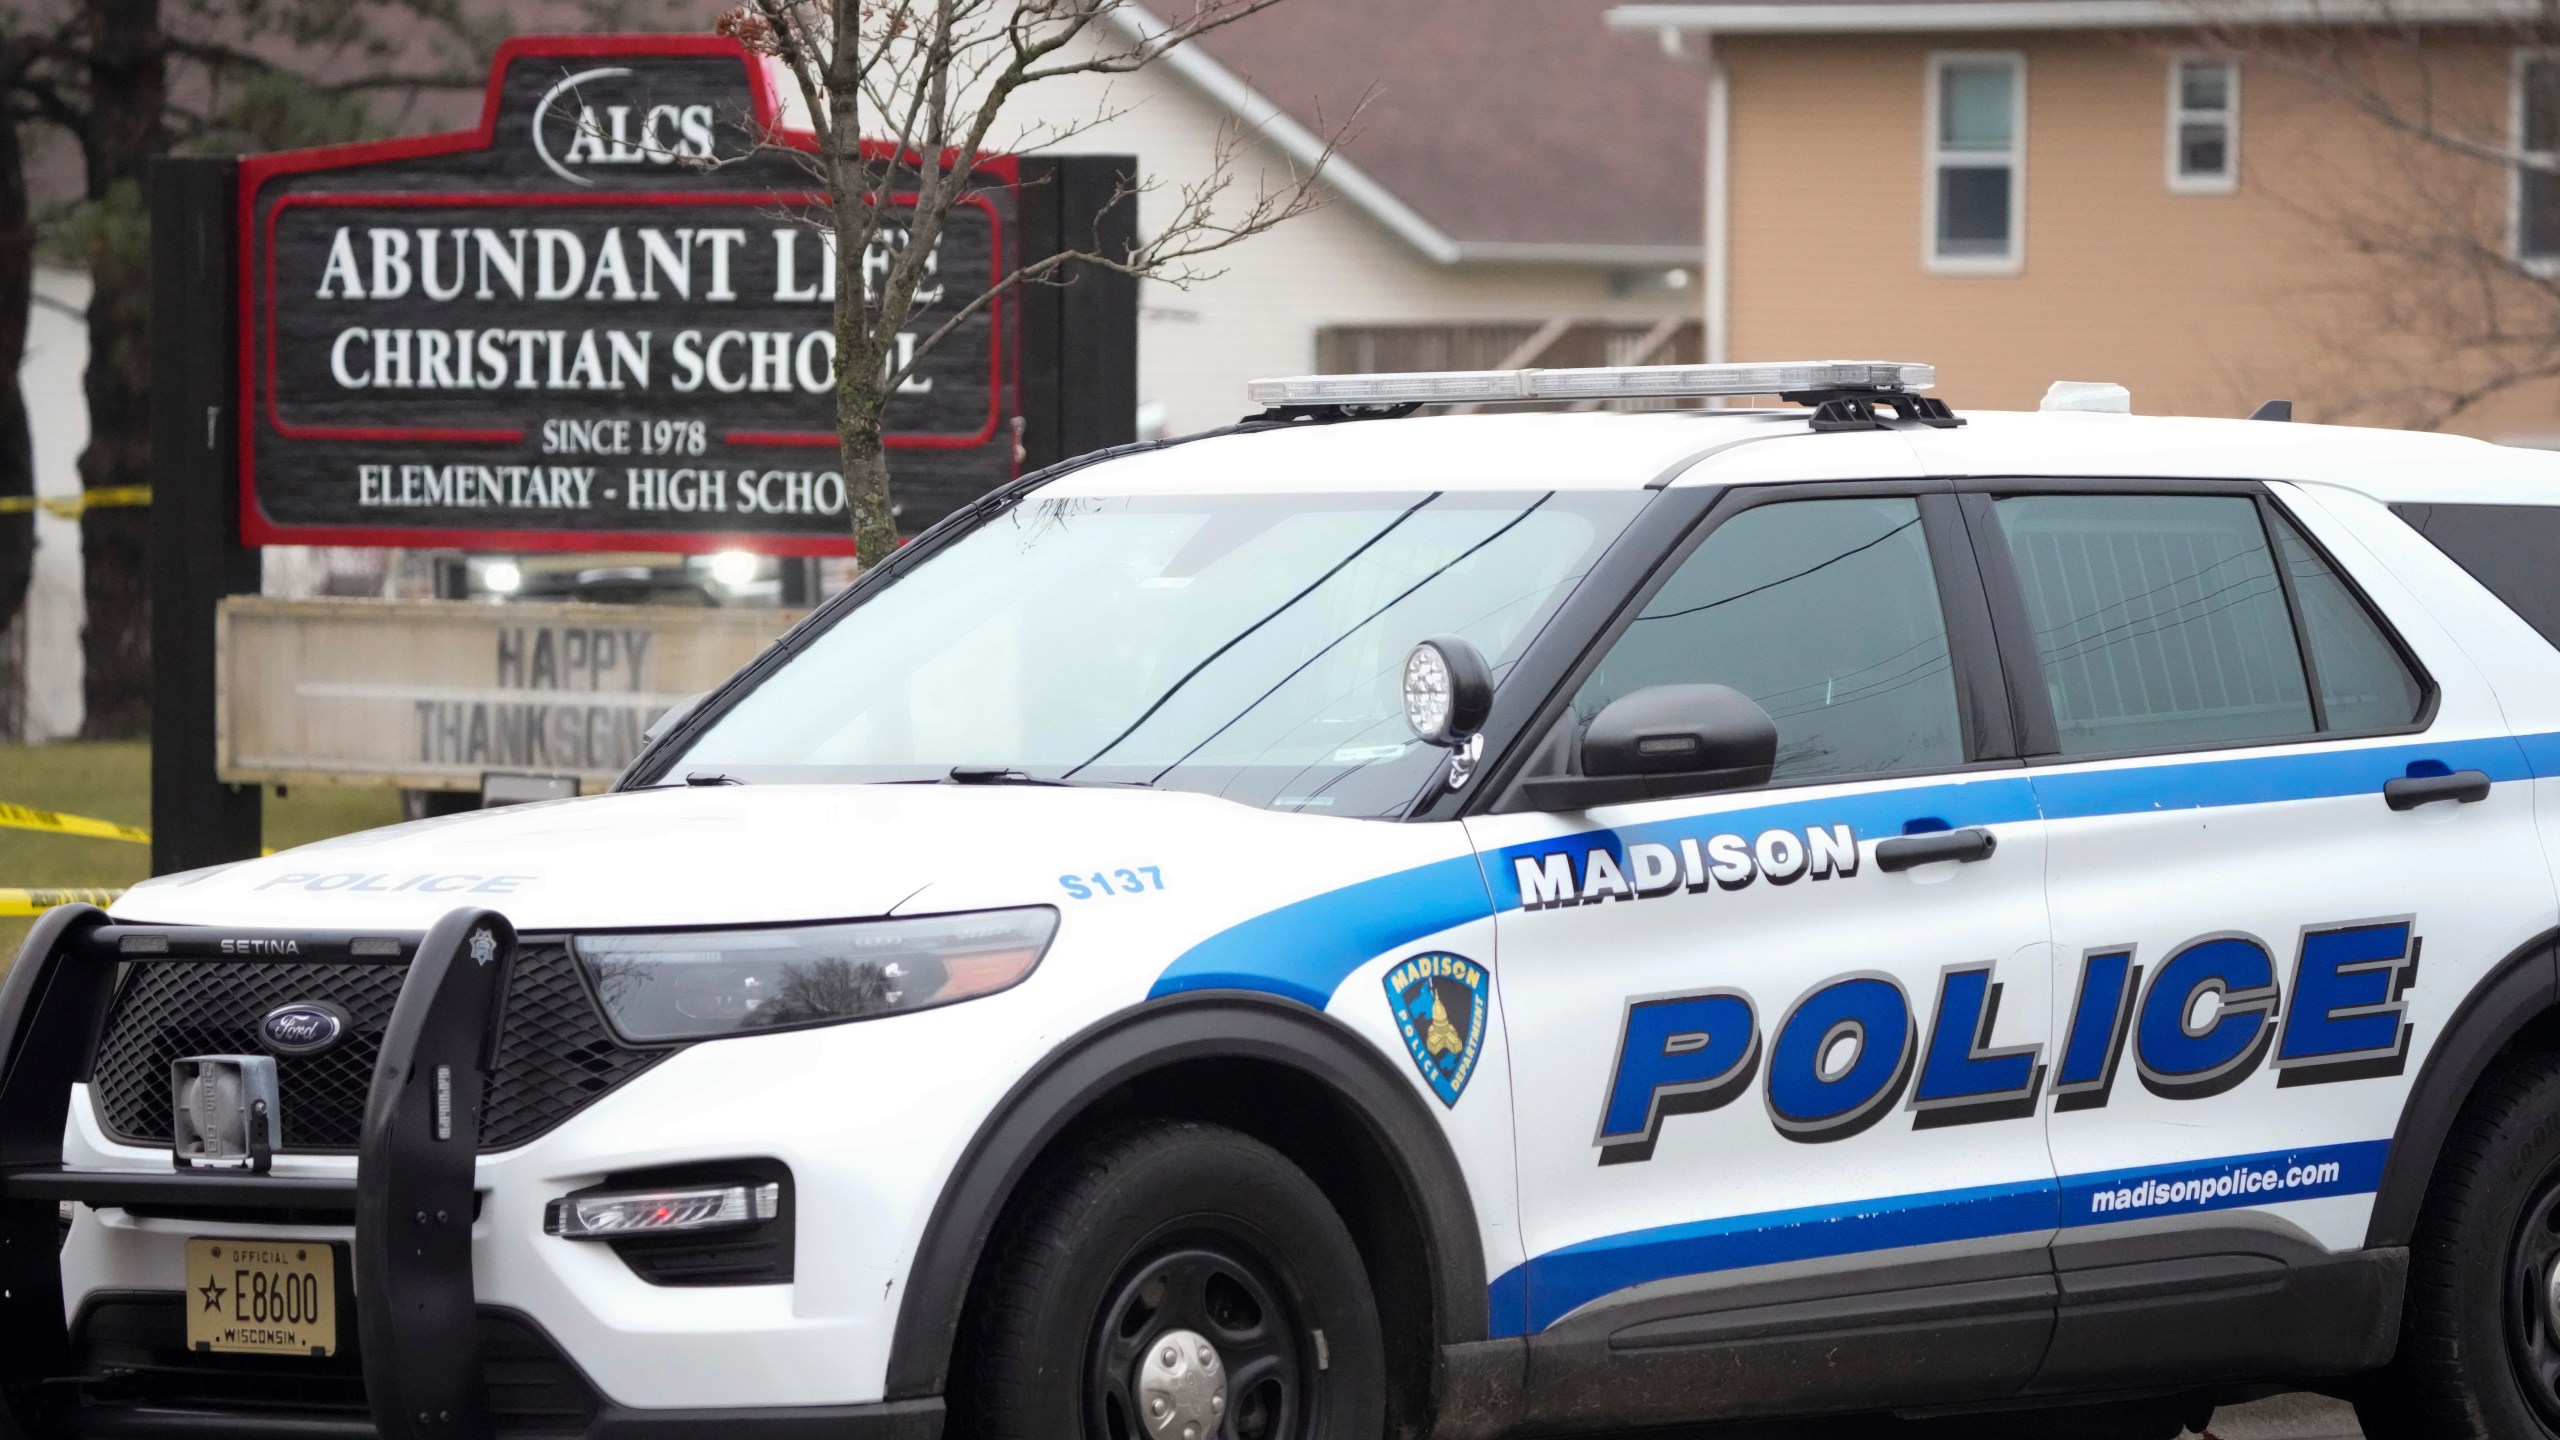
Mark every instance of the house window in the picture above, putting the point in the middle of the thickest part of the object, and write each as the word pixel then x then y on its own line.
pixel 2537 128
pixel 2204 126
pixel 1977 160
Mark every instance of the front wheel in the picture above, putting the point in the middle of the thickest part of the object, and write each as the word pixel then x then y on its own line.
pixel 1176 1281
pixel 2479 1355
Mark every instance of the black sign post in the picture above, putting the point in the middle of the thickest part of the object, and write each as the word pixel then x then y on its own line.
pixel 1080 334
pixel 601 319
pixel 196 554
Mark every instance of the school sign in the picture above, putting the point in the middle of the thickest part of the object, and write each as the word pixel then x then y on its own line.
pixel 603 318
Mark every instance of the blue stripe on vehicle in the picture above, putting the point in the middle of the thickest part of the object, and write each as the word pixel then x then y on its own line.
pixel 1530 1297
pixel 2265 779
pixel 1507 1303
pixel 1303 950
pixel 2017 796
pixel 1561 1281
pixel 2542 752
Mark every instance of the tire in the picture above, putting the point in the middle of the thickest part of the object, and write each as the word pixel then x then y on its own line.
pixel 2479 1355
pixel 1165 1228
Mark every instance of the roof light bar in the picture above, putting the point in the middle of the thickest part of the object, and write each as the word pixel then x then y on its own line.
pixel 1616 382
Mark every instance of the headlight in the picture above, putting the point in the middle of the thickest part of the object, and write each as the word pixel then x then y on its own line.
pixel 703 984
pixel 610 1215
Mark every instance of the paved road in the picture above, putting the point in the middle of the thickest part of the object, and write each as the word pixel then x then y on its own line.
pixel 2288 1417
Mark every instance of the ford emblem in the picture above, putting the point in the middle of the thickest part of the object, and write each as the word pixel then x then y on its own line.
pixel 305 1027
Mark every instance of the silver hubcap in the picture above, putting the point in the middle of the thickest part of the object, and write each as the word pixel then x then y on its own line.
pixel 2551 1294
pixel 1182 1386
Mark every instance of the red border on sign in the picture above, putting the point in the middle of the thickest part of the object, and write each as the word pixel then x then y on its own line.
pixel 255 171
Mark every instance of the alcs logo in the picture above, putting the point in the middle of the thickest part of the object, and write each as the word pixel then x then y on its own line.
pixel 581 122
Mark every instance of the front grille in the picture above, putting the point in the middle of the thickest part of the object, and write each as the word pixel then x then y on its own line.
pixel 132 1350
pixel 555 1055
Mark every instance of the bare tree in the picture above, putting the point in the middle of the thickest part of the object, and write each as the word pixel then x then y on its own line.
pixel 902 97
pixel 127 80
pixel 2442 193
pixel 130 79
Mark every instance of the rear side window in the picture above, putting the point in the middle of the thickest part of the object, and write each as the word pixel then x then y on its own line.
pixel 2164 622
pixel 2364 683
pixel 2512 549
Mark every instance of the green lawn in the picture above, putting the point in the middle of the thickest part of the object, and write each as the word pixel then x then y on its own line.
pixel 113 782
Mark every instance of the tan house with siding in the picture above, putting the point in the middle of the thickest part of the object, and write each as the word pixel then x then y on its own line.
pixel 2212 204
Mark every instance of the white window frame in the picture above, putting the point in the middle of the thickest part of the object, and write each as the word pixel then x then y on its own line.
pixel 2524 56
pixel 2180 116
pixel 1932 158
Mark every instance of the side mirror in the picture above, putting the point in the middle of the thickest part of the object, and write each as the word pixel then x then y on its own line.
pixel 1665 741
pixel 1448 690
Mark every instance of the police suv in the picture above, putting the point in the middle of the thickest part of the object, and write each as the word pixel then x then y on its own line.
pixel 1467 926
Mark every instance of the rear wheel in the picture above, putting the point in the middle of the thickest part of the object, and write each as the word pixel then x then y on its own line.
pixel 1176 1281
pixel 2479 1355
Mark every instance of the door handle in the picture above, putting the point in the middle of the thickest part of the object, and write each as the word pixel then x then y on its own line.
pixel 2411 791
pixel 1902 852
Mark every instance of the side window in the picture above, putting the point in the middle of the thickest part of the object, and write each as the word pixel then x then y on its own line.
pixel 2159 619
pixel 2364 682
pixel 1825 612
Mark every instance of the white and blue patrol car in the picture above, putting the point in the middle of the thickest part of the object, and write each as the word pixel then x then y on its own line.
pixel 1461 926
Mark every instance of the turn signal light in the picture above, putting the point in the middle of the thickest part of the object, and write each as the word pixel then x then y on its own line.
pixel 615 1214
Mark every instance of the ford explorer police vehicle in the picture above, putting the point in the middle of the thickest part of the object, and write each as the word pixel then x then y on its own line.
pixel 1354 925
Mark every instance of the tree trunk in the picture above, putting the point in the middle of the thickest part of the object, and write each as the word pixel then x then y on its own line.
pixel 862 415
pixel 128 98
pixel 861 410
pixel 866 474
pixel 852 194
pixel 17 448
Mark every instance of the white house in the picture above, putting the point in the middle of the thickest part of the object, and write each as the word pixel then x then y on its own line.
pixel 1520 185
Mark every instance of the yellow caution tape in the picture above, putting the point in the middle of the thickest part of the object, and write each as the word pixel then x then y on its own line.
pixel 27 817
pixel 70 506
pixel 36 902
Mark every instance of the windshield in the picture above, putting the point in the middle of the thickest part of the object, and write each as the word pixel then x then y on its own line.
pixel 1248 646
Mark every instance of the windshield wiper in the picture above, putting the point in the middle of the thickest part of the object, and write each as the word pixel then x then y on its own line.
pixel 1007 775
pixel 994 775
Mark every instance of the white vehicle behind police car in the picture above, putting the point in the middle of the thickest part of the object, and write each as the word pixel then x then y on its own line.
pixel 1512 924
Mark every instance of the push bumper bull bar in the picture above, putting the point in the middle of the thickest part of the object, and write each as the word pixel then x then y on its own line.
pixel 411 1200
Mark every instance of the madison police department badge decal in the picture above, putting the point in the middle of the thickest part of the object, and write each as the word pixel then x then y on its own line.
pixel 1439 1001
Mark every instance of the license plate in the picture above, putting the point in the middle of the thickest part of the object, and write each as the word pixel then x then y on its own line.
pixel 262 1297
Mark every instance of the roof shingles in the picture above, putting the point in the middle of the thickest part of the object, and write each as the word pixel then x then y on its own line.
pixel 1505 123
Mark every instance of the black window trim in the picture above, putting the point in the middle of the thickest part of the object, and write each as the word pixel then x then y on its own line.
pixel 1986 726
pixel 2039 732
pixel 2267 521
